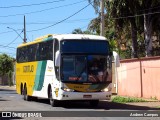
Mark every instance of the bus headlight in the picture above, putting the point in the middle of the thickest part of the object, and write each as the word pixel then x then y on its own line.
pixel 107 89
pixel 67 89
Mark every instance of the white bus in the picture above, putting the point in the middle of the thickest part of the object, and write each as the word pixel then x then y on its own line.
pixel 65 67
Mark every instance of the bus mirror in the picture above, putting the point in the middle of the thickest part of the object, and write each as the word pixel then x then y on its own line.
pixel 57 59
pixel 116 59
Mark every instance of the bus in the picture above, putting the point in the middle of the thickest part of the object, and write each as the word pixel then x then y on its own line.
pixel 62 67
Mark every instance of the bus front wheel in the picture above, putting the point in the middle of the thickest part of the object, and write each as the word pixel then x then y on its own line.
pixel 94 103
pixel 53 102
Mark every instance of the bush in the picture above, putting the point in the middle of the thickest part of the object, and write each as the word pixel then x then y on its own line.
pixel 119 99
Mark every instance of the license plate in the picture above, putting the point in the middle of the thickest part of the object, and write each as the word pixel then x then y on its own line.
pixel 87 96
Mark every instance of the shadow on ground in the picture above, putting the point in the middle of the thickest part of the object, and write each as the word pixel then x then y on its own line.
pixel 106 105
pixel 2 99
pixel 6 89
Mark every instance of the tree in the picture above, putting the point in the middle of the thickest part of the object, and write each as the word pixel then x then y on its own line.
pixel 151 18
pixel 124 12
pixel 6 65
pixel 79 31
pixel 94 25
pixel 135 22
pixel 121 8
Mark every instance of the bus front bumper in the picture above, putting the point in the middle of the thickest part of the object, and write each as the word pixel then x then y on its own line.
pixel 85 96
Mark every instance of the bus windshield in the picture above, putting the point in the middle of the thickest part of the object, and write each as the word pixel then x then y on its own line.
pixel 85 46
pixel 84 69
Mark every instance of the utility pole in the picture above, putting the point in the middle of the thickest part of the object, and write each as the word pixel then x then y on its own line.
pixel 25 39
pixel 102 17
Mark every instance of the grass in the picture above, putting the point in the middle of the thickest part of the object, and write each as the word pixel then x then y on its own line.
pixel 158 106
pixel 119 99
pixel 153 98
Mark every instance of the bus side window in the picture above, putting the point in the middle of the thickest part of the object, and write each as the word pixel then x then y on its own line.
pixel 45 51
pixel 23 55
pixel 49 50
pixel 42 51
pixel 32 53
pixel 56 48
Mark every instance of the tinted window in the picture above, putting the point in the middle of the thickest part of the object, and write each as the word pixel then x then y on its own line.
pixel 31 52
pixel 84 46
pixel 35 52
pixel 74 68
pixel 44 51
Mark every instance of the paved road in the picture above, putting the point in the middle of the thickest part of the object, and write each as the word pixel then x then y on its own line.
pixel 11 101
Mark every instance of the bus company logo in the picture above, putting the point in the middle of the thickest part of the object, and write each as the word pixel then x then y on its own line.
pixel 50 69
pixel 28 68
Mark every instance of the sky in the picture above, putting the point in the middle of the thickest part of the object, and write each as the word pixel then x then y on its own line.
pixel 42 17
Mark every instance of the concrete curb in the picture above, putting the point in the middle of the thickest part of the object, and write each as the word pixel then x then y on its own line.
pixel 8 87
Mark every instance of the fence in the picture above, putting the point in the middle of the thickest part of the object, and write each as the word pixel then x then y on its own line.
pixel 4 80
pixel 139 78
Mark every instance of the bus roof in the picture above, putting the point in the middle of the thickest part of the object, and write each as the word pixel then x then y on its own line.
pixel 64 36
pixel 79 36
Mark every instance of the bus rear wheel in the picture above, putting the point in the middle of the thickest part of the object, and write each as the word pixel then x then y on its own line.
pixel 26 97
pixel 53 102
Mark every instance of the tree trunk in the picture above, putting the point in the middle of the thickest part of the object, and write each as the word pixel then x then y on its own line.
pixel 134 38
pixel 148 35
pixel 3 80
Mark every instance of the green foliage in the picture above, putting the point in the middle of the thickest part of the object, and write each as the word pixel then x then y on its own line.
pixel 79 31
pixel 113 45
pixel 94 26
pixel 10 78
pixel 119 99
pixel 128 30
pixel 6 64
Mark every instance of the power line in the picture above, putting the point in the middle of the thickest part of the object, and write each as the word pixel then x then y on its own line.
pixel 35 4
pixel 46 22
pixel 83 27
pixel 28 38
pixel 77 20
pixel 4 46
pixel 149 8
pixel 136 15
pixel 48 26
pixel 17 43
pixel 42 10
pixel 84 8
pixel 9 31
pixel 60 21
pixel 14 39
pixel 49 22
pixel 16 32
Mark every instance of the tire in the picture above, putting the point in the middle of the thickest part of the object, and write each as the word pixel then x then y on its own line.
pixel 53 102
pixel 21 89
pixel 26 97
pixel 94 103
